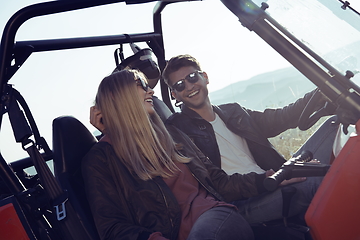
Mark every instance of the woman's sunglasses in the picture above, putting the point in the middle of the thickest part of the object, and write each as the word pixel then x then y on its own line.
pixel 141 82
pixel 191 78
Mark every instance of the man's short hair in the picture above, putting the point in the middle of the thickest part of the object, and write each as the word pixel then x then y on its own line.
pixel 177 62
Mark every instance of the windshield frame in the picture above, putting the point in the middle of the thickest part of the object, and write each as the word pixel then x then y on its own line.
pixel 338 87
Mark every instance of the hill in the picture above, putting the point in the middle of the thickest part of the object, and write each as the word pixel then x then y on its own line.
pixel 272 89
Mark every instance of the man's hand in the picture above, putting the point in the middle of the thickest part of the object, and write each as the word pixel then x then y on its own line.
pixel 292 180
pixel 270 172
pixel 96 118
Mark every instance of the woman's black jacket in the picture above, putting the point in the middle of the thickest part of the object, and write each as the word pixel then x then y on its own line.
pixel 126 207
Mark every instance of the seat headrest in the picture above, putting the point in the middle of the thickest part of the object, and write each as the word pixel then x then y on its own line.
pixel 71 141
pixel 161 109
pixel 142 60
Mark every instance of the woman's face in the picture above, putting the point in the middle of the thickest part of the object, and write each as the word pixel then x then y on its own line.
pixel 145 93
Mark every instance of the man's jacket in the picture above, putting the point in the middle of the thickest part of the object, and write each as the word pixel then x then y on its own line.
pixel 126 207
pixel 256 127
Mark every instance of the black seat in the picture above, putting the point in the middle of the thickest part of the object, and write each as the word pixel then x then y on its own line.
pixel 162 110
pixel 71 141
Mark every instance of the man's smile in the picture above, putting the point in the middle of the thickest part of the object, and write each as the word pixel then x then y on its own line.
pixel 193 93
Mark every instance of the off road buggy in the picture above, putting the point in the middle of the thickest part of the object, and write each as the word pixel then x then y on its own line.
pixel 51 203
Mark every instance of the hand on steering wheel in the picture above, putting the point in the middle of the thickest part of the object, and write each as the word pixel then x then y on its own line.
pixel 311 113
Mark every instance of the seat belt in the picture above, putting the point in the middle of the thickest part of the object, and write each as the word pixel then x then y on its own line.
pixel 67 222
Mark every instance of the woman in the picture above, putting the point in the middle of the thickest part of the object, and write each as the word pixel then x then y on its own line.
pixel 140 185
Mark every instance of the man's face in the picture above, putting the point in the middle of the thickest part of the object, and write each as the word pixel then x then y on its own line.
pixel 194 94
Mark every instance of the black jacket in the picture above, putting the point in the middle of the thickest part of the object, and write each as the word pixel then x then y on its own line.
pixel 126 207
pixel 256 127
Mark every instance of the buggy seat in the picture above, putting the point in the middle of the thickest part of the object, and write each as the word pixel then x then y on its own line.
pixel 71 141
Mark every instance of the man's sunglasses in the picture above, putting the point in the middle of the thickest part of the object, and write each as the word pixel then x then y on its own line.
pixel 141 82
pixel 191 78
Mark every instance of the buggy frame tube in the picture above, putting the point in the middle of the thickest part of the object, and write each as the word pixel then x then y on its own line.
pixel 165 94
pixel 71 43
pixel 11 180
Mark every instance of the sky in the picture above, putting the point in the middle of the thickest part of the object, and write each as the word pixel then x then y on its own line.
pixel 65 82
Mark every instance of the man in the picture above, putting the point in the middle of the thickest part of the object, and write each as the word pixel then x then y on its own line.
pixel 236 139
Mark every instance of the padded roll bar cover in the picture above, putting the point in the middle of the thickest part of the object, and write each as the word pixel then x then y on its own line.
pixel 71 141
pixel 143 61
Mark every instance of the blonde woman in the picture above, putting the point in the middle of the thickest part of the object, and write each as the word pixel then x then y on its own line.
pixel 139 183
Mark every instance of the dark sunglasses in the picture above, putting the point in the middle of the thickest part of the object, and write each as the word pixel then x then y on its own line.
pixel 141 82
pixel 191 78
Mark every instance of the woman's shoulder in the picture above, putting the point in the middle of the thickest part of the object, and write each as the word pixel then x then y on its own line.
pixel 99 153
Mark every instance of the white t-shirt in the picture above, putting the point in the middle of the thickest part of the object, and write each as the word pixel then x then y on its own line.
pixel 341 138
pixel 234 151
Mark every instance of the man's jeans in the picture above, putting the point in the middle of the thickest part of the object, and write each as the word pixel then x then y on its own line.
pixel 268 206
pixel 221 223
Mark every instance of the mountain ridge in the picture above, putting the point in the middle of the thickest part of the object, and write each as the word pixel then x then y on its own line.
pixel 268 90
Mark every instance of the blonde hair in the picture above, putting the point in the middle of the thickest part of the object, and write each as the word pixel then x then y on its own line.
pixel 141 141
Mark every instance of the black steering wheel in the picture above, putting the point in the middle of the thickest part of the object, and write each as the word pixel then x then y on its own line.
pixel 310 115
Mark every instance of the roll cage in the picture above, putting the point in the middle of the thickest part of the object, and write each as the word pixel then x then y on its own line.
pixel 14 54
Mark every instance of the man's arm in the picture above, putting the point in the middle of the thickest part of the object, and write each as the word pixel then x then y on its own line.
pixel 272 122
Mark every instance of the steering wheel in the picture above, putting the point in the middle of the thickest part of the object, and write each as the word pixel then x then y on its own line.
pixel 310 115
